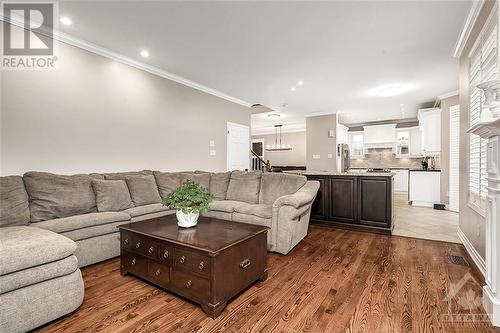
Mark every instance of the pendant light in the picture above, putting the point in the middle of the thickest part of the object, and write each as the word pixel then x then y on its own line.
pixel 278 143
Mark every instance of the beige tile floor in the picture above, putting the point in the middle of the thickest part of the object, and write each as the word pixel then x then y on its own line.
pixel 423 222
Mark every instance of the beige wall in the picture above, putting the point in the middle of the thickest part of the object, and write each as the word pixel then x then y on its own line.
pixel 294 157
pixel 94 114
pixel 469 219
pixel 318 142
pixel 445 146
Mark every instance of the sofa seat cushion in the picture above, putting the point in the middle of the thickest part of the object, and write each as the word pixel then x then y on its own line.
pixel 54 196
pixel 66 224
pixel 147 209
pixel 252 219
pixel 224 205
pixel 260 210
pixel 14 208
pixel 23 247
pixel 36 274
pixel 111 195
pixel 93 231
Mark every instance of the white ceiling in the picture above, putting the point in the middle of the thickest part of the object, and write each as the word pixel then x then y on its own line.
pixel 256 51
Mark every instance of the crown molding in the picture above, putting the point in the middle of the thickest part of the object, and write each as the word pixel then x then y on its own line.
pixel 467 28
pixel 107 53
pixel 321 113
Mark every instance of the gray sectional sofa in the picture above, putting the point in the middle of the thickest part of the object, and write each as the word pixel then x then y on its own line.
pixel 76 218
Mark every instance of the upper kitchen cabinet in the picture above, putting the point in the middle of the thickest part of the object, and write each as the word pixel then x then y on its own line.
pixel 415 141
pixel 402 142
pixel 430 127
pixel 356 144
pixel 380 136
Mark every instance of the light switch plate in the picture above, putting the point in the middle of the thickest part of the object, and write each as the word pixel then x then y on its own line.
pixel 316 157
pixel 212 152
pixel 331 133
pixel 330 155
pixel 212 143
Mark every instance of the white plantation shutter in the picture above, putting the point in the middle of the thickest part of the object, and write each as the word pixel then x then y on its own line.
pixel 482 67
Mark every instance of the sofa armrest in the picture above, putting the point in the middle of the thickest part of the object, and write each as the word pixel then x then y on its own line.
pixel 304 196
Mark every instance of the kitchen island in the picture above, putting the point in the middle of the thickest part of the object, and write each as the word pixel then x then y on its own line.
pixel 353 200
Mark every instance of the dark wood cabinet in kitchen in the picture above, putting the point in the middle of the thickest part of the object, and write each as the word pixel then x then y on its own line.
pixel 361 202
pixel 319 209
pixel 374 197
pixel 342 199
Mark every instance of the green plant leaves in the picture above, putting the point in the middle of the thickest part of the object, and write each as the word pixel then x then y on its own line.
pixel 190 197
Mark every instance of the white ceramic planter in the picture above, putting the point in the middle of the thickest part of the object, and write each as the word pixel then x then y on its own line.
pixel 186 220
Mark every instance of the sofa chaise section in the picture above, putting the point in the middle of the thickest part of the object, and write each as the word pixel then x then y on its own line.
pixel 39 278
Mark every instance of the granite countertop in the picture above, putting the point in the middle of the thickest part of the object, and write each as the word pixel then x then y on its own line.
pixel 332 173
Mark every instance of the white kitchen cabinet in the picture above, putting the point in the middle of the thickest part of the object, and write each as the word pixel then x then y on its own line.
pixel 356 144
pixel 415 141
pixel 425 188
pixel 430 127
pixel 400 180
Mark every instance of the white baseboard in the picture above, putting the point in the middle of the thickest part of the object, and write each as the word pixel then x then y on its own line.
pixel 491 306
pixel 480 263
pixel 422 204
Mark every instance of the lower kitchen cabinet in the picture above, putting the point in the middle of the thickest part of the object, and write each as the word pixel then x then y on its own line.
pixel 361 202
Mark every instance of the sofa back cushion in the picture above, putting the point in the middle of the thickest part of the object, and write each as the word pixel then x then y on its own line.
pixel 202 179
pixel 54 196
pixel 111 195
pixel 219 182
pixel 244 186
pixel 123 175
pixel 274 185
pixel 14 208
pixel 167 182
pixel 143 190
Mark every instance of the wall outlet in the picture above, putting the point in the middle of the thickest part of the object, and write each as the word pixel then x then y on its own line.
pixel 212 143
pixel 212 152
pixel 478 230
pixel 331 133
pixel 330 155
pixel 316 157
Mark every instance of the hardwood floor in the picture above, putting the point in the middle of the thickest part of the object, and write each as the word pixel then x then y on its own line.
pixel 333 281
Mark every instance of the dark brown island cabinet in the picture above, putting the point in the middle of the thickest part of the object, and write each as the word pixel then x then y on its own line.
pixel 361 202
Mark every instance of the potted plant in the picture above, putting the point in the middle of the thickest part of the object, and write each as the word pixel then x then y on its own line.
pixel 190 199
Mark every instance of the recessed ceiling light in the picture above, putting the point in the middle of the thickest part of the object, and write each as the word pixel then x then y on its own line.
pixel 66 20
pixel 144 53
pixel 273 115
pixel 300 83
pixel 293 88
pixel 401 105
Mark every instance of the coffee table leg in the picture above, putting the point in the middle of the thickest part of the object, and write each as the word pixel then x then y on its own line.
pixel 213 311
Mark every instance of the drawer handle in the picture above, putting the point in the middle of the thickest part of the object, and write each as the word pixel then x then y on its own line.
pixel 125 241
pixel 201 265
pixel 189 283
pixel 158 272
pixel 165 255
pixel 151 249
pixel 133 262
pixel 245 263
pixel 182 259
pixel 138 245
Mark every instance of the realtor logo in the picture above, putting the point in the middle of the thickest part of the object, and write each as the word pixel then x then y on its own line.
pixel 28 31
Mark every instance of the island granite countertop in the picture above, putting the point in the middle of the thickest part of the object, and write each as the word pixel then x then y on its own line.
pixel 333 173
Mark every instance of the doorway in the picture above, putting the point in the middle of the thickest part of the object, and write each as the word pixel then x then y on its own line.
pixel 238 147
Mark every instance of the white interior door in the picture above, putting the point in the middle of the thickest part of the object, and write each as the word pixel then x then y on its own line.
pixel 238 147
pixel 454 157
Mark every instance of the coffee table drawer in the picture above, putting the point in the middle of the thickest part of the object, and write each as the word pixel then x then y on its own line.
pixel 201 264
pixel 191 286
pixel 158 272
pixel 134 263
pixel 166 254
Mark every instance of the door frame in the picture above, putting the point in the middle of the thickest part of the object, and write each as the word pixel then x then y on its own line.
pixel 454 108
pixel 263 146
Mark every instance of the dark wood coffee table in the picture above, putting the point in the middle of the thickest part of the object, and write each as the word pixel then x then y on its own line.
pixel 208 264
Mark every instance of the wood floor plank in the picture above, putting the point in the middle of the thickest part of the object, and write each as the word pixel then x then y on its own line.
pixel 333 281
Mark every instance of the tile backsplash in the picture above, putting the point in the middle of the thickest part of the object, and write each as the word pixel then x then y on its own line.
pixel 385 158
